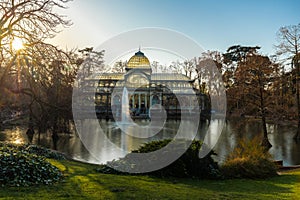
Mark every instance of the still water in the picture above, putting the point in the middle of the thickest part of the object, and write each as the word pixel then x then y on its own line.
pixel 281 137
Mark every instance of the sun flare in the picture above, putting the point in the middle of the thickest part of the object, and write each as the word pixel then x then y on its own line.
pixel 17 44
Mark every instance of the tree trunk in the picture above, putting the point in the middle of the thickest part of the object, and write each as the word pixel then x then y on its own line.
pixel 297 136
pixel 6 70
pixel 54 133
pixel 265 141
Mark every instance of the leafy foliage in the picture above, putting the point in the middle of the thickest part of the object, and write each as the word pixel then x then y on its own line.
pixel 19 167
pixel 188 165
pixel 152 146
pixel 35 149
pixel 41 151
pixel 249 160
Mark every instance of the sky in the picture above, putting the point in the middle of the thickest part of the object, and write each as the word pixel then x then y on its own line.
pixel 214 25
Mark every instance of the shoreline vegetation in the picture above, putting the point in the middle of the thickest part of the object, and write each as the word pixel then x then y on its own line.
pixel 83 181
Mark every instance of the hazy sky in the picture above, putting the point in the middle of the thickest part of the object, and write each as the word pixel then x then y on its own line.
pixel 215 25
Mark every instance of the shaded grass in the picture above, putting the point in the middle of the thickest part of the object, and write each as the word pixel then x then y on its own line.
pixel 83 182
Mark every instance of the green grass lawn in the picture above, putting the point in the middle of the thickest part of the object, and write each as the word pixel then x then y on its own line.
pixel 83 182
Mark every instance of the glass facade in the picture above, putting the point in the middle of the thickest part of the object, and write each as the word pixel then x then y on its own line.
pixel 145 89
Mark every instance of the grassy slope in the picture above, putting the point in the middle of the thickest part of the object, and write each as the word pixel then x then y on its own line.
pixel 82 182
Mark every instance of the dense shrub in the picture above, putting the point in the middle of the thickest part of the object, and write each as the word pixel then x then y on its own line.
pixel 35 149
pixel 249 159
pixel 19 167
pixel 41 151
pixel 187 165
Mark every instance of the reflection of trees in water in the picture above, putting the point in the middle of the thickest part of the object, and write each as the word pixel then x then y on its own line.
pixel 279 141
pixel 245 128
pixel 226 143
pixel 281 137
pixel 295 156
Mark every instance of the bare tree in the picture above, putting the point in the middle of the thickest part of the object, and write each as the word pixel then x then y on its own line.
pixel 48 83
pixel 154 66
pixel 208 74
pixel 92 61
pixel 119 67
pixel 30 22
pixel 39 76
pixel 187 67
pixel 176 67
pixel 289 42
pixel 296 63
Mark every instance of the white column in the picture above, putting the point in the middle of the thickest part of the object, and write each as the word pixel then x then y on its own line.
pixel 146 97
pixel 133 102
pixel 139 100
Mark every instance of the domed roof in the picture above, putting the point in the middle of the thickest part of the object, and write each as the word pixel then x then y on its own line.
pixel 139 60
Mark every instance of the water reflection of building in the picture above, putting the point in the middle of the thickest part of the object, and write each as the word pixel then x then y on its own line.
pixel 145 89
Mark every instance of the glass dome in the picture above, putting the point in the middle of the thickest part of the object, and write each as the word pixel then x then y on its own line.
pixel 139 60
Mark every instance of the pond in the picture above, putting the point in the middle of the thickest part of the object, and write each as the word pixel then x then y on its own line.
pixel 281 137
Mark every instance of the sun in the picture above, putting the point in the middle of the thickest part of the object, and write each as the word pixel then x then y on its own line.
pixel 17 44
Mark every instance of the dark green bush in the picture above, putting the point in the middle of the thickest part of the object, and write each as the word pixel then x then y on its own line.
pixel 249 159
pixel 41 151
pixel 187 165
pixel 152 146
pixel 35 149
pixel 18 167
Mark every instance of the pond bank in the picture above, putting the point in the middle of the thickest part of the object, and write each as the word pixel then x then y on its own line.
pixel 83 182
